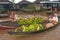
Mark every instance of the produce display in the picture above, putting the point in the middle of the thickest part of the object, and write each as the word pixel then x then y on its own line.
pixel 37 20
pixel 30 28
pixel 30 24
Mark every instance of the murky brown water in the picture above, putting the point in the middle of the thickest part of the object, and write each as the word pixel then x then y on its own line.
pixel 52 34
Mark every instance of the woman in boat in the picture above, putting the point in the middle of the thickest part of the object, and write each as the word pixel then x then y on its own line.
pixel 53 17
pixel 12 16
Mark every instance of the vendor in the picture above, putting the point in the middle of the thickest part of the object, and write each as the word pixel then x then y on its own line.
pixel 53 17
pixel 12 16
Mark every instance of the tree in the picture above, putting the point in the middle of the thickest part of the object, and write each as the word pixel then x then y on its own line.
pixel 13 4
pixel 1 8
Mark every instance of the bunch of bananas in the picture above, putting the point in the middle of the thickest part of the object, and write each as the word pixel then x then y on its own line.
pixel 30 20
pixel 31 28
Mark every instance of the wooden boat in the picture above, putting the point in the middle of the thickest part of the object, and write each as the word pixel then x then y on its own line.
pixel 8 25
pixel 25 33
pixel 14 25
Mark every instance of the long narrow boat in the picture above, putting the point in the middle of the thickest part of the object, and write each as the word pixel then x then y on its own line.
pixel 14 25
pixel 25 33
pixel 8 25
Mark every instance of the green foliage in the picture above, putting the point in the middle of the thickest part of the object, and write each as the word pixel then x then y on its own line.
pixel 31 7
pixel 43 9
pixel 1 8
pixel 49 13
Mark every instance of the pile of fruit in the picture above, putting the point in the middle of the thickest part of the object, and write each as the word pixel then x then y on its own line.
pixel 31 28
pixel 37 20
pixel 30 24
